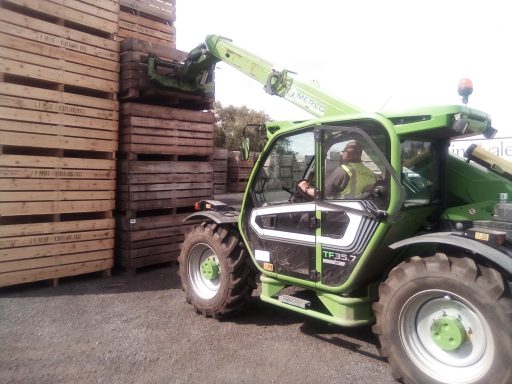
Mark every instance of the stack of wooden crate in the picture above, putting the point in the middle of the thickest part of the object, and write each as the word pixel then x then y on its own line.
pixel 59 73
pixel 239 170
pixel 165 153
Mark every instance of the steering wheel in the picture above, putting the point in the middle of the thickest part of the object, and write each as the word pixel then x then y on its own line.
pixel 297 196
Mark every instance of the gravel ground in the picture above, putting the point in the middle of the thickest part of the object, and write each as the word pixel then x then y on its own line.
pixel 138 329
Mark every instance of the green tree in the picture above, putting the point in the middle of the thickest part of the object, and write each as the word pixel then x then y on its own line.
pixel 230 122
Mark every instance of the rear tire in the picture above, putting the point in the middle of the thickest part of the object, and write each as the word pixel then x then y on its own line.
pixel 225 287
pixel 445 320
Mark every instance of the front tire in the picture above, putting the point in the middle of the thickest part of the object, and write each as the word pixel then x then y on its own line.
pixel 215 271
pixel 445 320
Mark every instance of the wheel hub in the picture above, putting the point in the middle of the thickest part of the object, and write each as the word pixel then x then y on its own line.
pixel 448 333
pixel 210 268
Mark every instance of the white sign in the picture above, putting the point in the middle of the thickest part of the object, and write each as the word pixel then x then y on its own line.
pixel 501 147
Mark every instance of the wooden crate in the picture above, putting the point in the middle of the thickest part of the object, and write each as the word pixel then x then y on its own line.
pixel 51 185
pixel 154 129
pixel 148 20
pixel 51 250
pixel 42 118
pixel 162 10
pixel 239 170
pixel 136 85
pixel 53 56
pixel 98 17
pixel 148 185
pixel 148 240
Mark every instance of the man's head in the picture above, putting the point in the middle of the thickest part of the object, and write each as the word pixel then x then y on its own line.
pixel 352 152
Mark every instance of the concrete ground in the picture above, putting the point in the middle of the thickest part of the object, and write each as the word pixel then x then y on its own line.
pixel 138 329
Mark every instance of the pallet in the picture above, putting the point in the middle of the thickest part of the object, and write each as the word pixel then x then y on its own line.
pixel 55 56
pixel 146 185
pixel 164 130
pixel 149 240
pixel 136 85
pixel 51 250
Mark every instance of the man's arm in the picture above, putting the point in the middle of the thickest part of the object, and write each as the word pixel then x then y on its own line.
pixel 307 188
pixel 335 183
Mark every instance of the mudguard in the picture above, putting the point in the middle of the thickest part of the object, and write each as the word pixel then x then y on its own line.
pixel 223 217
pixel 453 238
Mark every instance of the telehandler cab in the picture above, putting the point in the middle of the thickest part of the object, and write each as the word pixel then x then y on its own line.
pixel 425 257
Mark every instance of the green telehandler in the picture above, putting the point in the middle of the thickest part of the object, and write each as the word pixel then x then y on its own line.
pixel 424 256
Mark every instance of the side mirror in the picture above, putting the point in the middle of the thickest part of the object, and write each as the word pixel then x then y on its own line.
pixel 246 142
pixel 244 153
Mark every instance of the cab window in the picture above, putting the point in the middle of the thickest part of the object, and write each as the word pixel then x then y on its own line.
pixel 420 178
pixel 287 162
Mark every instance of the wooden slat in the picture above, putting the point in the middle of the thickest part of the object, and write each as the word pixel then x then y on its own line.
pixel 166 195
pixel 154 242
pixel 60 196
pixel 22 253
pixel 126 33
pixel 11 96
pixel 178 140
pixel 137 51
pixel 132 264
pixel 153 111
pixel 67 167
pixel 130 122
pixel 55 118
pixel 129 238
pixel 134 167
pixel 55 207
pixel 53 261
pixel 165 149
pixel 55 238
pixel 62 142
pixel 46 173
pixel 199 184
pixel 56 184
pixel 55 130
pixel 42 231
pixel 163 178
pixel 161 204
pixel 19 277
pixel 149 251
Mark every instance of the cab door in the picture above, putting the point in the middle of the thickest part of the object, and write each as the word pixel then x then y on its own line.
pixel 278 222
pixel 347 222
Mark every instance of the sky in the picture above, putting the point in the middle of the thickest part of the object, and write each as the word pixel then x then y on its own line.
pixel 376 54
